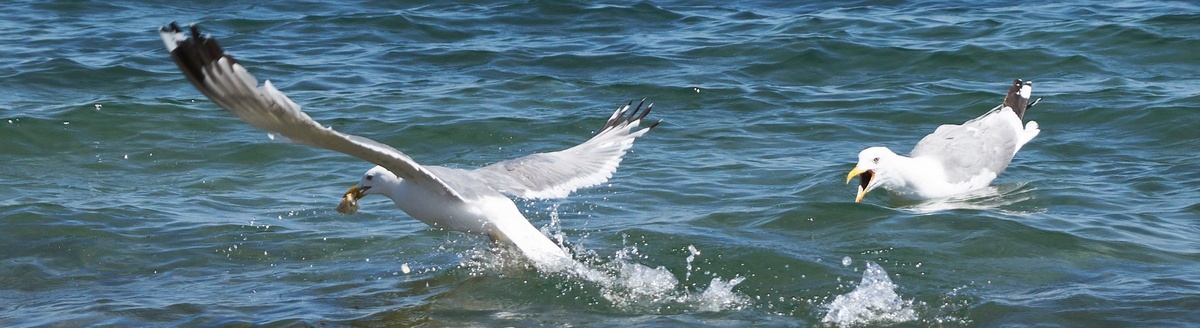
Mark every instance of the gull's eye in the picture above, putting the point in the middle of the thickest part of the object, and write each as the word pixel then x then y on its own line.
pixel 369 177
pixel 875 160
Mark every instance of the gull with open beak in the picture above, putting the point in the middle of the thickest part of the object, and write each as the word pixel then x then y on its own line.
pixel 954 159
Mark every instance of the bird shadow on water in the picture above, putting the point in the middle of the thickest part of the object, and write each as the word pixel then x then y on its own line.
pixel 1000 198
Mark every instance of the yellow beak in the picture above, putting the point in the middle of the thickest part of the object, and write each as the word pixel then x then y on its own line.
pixel 358 192
pixel 862 190
pixel 853 173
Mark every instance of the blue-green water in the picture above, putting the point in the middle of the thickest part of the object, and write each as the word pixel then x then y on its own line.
pixel 126 198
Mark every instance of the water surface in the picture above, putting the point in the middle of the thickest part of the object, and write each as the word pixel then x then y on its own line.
pixel 129 199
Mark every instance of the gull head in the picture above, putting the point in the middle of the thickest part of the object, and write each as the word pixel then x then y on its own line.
pixel 871 169
pixel 373 182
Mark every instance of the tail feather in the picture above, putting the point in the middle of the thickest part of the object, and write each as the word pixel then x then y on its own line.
pixel 1031 130
pixel 516 230
pixel 1018 97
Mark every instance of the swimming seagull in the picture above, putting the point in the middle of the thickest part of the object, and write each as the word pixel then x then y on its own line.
pixel 954 159
pixel 471 201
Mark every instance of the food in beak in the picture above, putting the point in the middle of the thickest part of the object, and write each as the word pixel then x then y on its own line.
pixel 349 204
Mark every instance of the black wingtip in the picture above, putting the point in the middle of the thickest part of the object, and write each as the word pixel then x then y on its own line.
pixel 1014 100
pixel 629 113
pixel 644 113
pixel 195 51
pixel 649 107
pixel 633 114
pixel 1034 102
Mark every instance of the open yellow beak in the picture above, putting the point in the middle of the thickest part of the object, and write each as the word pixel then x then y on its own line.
pixel 349 203
pixel 862 185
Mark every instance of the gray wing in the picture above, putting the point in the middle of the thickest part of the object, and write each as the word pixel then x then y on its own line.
pixel 557 174
pixel 224 81
pixel 985 143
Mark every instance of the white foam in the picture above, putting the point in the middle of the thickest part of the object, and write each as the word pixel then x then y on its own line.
pixel 635 287
pixel 873 301
pixel 995 197
pixel 621 280
pixel 720 296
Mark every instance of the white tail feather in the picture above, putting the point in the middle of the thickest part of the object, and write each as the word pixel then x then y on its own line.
pixel 512 227
pixel 1031 130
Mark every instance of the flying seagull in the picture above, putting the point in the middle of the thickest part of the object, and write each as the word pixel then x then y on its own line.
pixel 471 201
pixel 954 159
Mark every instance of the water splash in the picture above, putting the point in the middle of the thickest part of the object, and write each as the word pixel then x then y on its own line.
pixel 621 282
pixel 720 296
pixel 619 278
pixel 554 229
pixel 692 252
pixel 873 301
pixel 632 286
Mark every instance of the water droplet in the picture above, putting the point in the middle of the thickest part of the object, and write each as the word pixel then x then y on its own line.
pixel 691 256
pixel 846 261
pixel 404 268
pixel 873 300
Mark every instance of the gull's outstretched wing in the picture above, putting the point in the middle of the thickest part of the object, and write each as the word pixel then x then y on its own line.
pixel 557 174
pixel 224 81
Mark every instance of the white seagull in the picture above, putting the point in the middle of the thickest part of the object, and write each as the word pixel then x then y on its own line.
pixel 471 201
pixel 954 159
